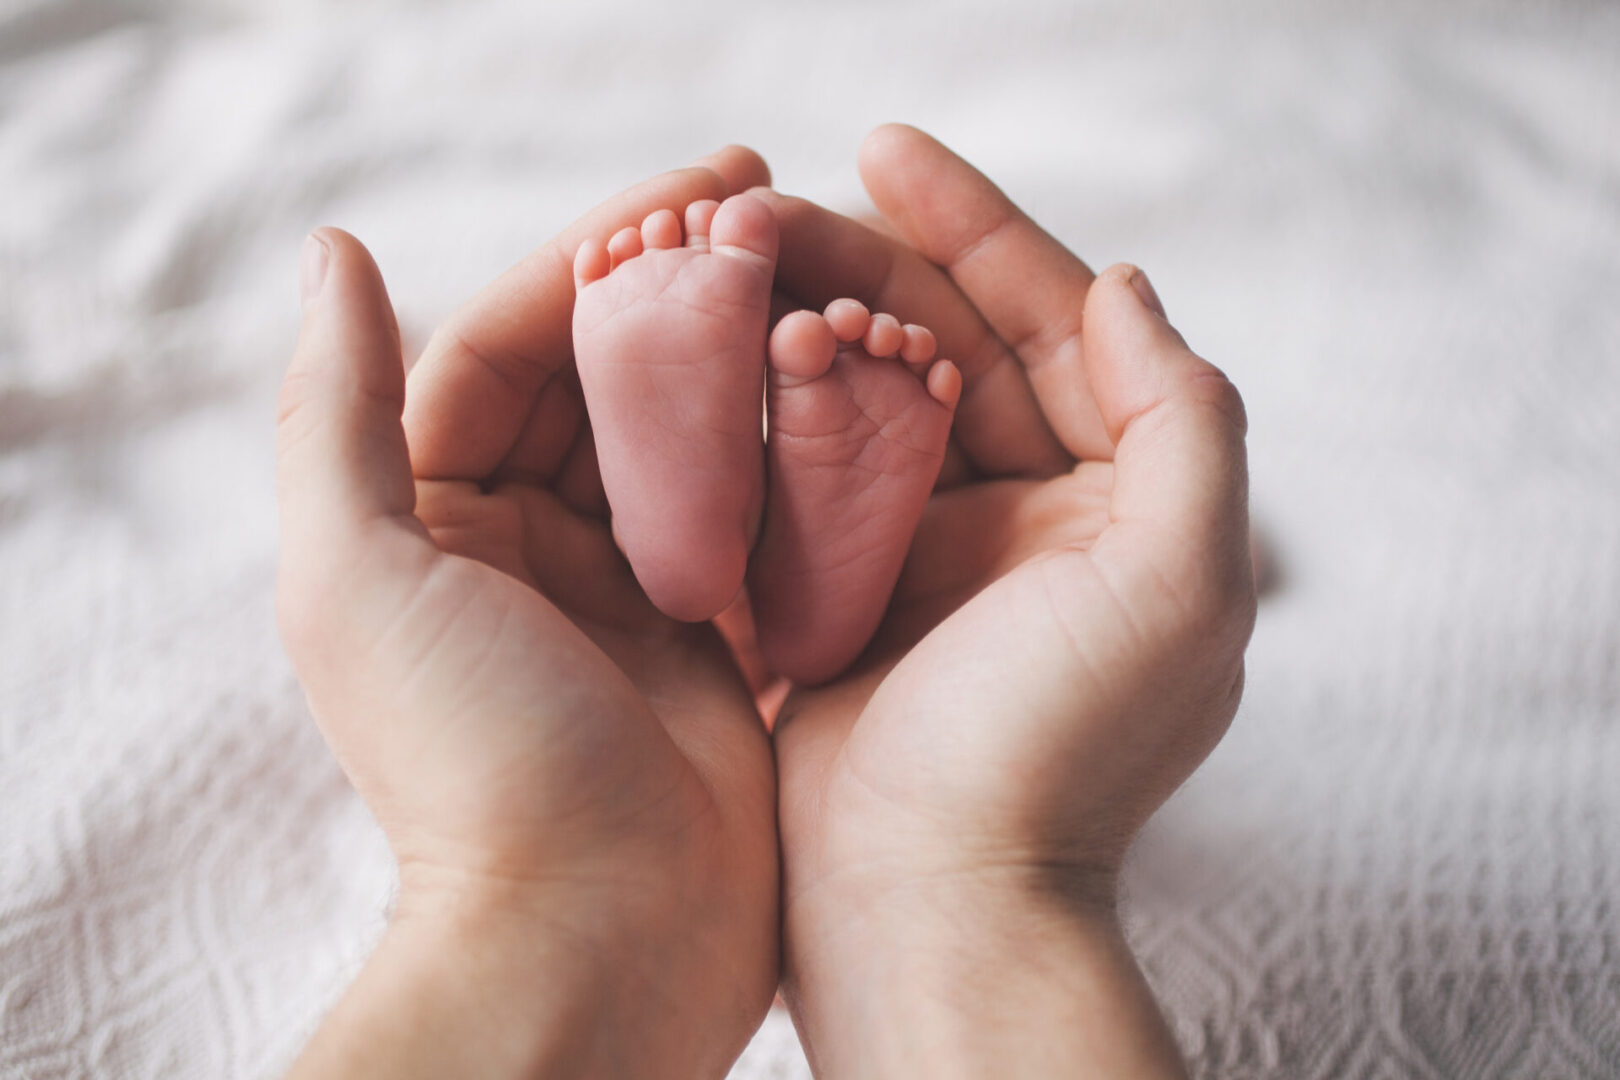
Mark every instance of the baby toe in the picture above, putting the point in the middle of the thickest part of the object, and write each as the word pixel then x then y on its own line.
pixel 884 336
pixel 661 231
pixel 625 245
pixel 699 218
pixel 848 318
pixel 917 350
pixel 944 383
pixel 591 262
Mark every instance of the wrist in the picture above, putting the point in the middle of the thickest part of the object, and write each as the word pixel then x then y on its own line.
pixel 481 977
pixel 971 975
pixel 460 986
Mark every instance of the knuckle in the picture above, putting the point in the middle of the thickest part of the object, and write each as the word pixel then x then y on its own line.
pixel 294 409
pixel 1226 620
pixel 1211 387
pixel 1216 607
pixel 293 396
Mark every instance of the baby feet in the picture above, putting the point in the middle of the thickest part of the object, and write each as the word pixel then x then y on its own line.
pixel 670 342
pixel 669 339
pixel 859 415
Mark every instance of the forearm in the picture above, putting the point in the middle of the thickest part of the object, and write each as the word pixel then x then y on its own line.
pixel 973 988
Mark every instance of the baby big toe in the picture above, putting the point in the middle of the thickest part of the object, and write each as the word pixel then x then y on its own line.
pixel 802 346
pixel 744 227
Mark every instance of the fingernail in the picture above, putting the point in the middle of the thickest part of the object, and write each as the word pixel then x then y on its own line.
pixel 1144 289
pixel 312 268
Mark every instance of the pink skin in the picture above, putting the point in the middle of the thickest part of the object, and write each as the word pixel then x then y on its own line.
pixel 670 345
pixel 859 415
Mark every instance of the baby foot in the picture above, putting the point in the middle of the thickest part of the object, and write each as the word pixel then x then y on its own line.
pixel 669 339
pixel 858 417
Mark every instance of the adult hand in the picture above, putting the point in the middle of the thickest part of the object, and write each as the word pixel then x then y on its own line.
pixel 1064 647
pixel 578 790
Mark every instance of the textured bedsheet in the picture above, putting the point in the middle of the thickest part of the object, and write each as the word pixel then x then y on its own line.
pixel 1397 228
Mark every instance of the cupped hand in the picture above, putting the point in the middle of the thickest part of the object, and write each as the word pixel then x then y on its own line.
pixel 543 749
pixel 1065 644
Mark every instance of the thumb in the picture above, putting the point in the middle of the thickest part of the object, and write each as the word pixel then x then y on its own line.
pixel 343 475
pixel 1181 483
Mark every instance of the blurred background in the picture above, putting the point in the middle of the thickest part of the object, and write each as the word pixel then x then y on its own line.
pixel 1396 226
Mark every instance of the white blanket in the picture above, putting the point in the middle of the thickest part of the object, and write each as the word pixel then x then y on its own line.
pixel 1401 238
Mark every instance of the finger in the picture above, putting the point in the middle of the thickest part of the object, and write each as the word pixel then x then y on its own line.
pixel 573 560
pixel 468 521
pixel 342 456
pixel 578 482
pixel 343 473
pixel 1028 286
pixel 956 469
pixel 877 223
pixel 556 422
pixel 481 373
pixel 1180 494
pixel 824 256
pixel 740 168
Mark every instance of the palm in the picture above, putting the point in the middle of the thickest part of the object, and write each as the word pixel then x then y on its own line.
pixel 619 743
pixel 576 698
pixel 974 535
pixel 911 752
pixel 1014 710
pixel 525 725
pixel 637 729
